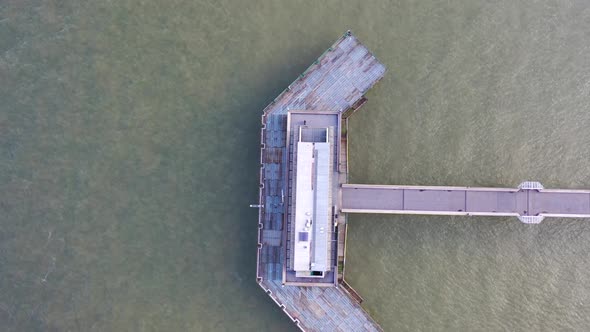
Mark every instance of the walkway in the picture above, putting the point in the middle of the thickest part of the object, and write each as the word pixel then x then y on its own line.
pixel 530 202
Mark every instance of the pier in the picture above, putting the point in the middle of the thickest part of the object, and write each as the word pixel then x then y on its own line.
pixel 305 196
pixel 530 202
pixel 334 84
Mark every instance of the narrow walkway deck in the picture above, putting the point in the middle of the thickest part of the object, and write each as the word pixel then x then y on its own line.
pixel 530 202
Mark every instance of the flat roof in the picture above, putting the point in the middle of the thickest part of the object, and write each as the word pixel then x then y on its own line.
pixel 313 200
pixel 304 207
pixel 322 226
pixel 312 127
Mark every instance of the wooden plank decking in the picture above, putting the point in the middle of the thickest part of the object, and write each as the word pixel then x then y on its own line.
pixel 335 82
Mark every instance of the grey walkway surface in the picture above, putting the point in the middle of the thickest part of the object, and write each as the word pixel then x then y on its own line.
pixel 465 201
pixel 321 308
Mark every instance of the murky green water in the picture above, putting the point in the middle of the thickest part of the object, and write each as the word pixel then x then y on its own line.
pixel 128 157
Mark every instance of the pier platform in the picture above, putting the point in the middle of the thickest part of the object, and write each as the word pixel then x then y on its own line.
pixel 335 83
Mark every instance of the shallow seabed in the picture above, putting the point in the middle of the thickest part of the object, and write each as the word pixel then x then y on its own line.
pixel 129 134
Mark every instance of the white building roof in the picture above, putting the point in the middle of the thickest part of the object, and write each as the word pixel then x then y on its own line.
pixel 313 205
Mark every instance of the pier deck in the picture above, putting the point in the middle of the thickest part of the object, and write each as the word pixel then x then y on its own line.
pixel 520 202
pixel 335 82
